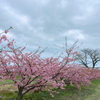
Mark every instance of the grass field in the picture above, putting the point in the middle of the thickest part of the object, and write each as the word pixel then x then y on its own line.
pixel 70 93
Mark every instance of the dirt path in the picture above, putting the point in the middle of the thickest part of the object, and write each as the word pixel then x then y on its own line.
pixel 95 96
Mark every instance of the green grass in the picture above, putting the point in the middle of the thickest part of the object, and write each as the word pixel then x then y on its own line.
pixel 7 81
pixel 70 93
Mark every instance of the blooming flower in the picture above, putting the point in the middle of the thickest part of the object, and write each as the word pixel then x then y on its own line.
pixel 4 37
pixel 6 31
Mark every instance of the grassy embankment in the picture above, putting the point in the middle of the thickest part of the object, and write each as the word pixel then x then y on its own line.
pixel 70 93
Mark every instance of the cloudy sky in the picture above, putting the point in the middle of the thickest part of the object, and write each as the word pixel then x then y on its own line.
pixel 47 22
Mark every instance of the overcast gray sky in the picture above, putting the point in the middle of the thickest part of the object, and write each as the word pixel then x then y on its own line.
pixel 47 22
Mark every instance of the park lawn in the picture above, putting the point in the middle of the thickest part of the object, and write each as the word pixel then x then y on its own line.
pixel 69 93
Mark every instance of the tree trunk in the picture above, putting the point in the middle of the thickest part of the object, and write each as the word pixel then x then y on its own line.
pixel 67 82
pixel 20 95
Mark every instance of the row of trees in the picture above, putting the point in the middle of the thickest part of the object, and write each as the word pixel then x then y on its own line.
pixel 31 73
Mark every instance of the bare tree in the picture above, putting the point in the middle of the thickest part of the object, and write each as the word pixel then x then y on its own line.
pixel 86 54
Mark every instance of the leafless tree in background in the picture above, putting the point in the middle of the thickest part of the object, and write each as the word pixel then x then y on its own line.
pixel 94 55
